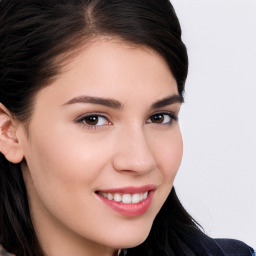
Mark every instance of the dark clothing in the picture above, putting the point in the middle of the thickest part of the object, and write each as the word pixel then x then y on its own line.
pixel 232 247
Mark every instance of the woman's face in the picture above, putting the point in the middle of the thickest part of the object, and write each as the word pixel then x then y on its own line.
pixel 103 131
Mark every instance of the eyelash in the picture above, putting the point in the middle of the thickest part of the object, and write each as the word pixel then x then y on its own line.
pixel 171 115
pixel 82 119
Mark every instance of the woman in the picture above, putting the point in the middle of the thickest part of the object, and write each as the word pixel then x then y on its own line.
pixel 90 93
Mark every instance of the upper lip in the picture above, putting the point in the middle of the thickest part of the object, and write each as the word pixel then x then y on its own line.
pixel 130 190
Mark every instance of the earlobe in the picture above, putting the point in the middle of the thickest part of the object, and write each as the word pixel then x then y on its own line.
pixel 10 145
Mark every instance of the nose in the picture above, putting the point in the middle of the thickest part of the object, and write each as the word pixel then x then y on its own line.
pixel 133 153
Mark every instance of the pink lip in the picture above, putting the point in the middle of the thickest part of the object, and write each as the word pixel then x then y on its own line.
pixel 130 210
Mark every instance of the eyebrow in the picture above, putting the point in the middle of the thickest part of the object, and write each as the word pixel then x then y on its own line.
pixel 112 103
pixel 169 100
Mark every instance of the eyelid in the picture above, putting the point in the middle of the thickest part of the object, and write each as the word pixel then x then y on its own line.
pixel 81 118
pixel 172 115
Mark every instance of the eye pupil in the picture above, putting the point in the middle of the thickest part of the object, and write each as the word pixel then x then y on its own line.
pixel 92 120
pixel 159 118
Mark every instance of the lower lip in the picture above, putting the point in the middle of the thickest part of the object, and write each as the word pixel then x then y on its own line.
pixel 129 210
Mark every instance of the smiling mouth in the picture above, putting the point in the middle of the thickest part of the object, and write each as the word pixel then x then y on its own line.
pixel 125 198
pixel 128 201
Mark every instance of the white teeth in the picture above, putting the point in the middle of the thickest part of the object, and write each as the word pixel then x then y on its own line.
pixel 117 198
pixel 110 196
pixel 125 198
pixel 136 198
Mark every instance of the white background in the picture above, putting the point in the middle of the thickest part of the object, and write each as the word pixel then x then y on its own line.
pixel 217 179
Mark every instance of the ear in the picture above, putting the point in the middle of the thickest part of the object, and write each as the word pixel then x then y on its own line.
pixel 10 145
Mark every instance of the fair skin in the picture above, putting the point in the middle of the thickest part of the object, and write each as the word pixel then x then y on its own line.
pixel 128 141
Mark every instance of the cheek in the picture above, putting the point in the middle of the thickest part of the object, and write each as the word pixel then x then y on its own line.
pixel 61 174
pixel 65 156
pixel 60 171
pixel 168 152
pixel 169 155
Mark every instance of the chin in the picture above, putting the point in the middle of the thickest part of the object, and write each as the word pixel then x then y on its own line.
pixel 129 239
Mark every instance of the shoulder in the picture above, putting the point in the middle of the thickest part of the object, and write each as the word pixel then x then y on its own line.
pixel 232 247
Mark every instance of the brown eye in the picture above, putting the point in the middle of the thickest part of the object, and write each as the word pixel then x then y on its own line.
pixel 91 120
pixel 158 118
pixel 162 118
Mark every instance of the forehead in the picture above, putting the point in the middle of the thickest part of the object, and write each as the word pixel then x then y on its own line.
pixel 108 66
